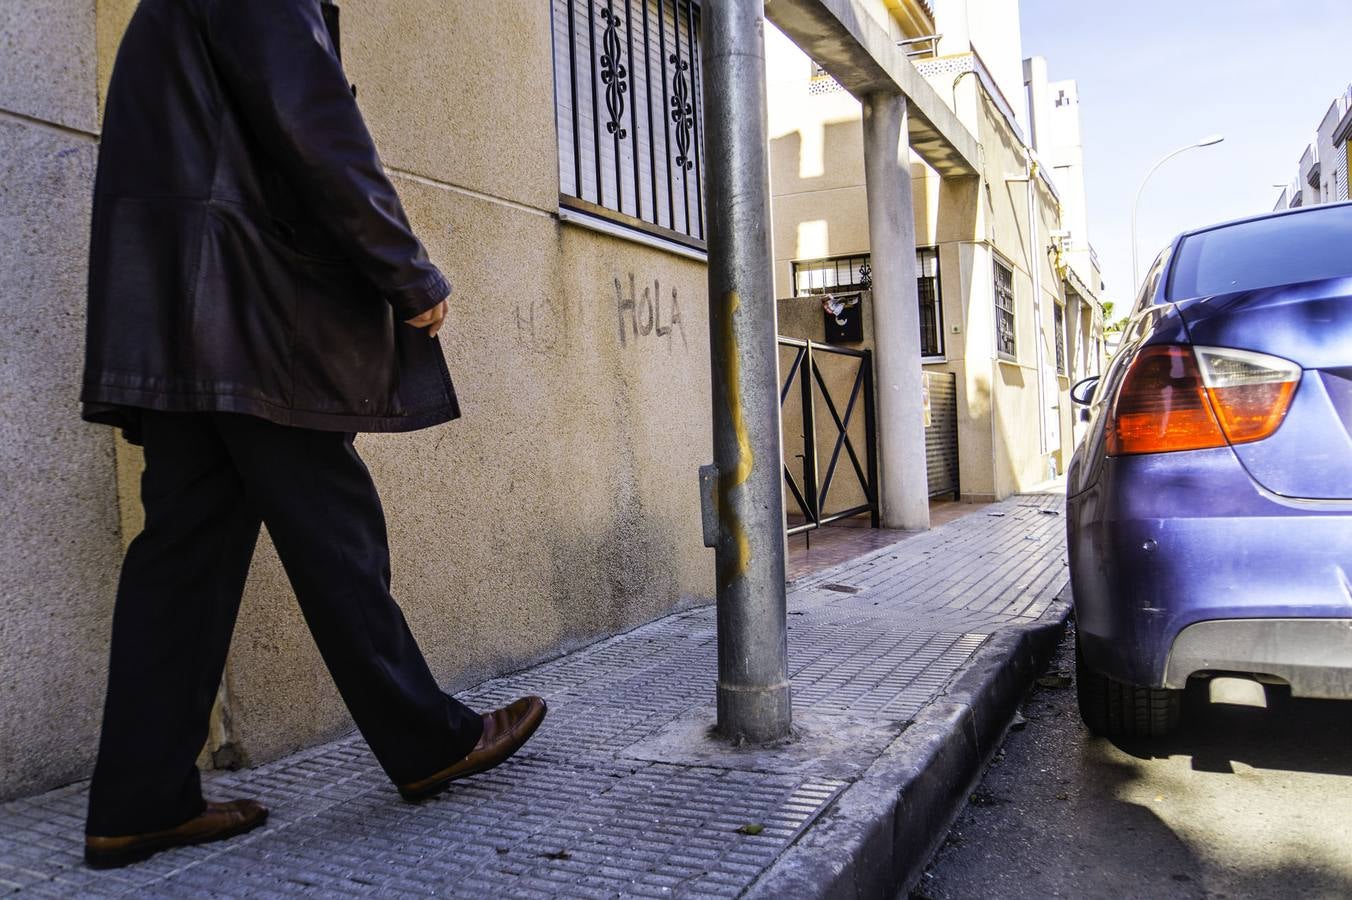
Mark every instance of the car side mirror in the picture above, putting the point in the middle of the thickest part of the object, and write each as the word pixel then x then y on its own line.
pixel 1083 391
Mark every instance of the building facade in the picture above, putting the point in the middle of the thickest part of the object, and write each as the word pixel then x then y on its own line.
pixel 1010 314
pixel 1054 125
pixel 1321 174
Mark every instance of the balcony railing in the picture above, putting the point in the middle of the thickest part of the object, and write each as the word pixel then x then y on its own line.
pixel 923 47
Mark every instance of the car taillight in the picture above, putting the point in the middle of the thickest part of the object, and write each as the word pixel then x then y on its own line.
pixel 1191 398
pixel 1250 392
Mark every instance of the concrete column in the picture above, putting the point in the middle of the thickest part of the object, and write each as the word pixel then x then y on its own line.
pixel 903 489
pixel 753 682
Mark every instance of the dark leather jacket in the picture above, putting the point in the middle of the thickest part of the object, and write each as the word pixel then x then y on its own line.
pixel 248 252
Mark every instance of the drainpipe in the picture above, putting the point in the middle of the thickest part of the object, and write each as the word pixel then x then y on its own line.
pixel 742 490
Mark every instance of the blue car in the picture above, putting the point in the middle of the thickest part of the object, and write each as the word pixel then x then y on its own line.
pixel 1209 508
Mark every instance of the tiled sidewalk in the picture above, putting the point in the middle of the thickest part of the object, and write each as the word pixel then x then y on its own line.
pixel 621 793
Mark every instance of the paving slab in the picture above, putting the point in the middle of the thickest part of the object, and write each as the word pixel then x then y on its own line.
pixel 906 664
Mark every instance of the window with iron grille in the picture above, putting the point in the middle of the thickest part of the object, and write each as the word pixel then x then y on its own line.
pixel 629 105
pixel 1059 322
pixel 836 275
pixel 1005 344
pixel 846 274
pixel 931 312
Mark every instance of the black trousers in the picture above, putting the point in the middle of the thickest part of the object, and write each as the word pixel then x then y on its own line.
pixel 210 480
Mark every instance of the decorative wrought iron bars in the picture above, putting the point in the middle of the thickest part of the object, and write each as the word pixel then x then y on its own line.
pixel 845 274
pixel 628 100
pixel 1005 344
pixel 1059 324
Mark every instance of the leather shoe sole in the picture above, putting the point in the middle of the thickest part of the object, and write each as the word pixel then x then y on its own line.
pixel 217 822
pixel 505 731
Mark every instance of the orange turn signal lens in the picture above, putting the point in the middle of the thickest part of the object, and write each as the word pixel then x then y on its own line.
pixel 1250 392
pixel 1178 397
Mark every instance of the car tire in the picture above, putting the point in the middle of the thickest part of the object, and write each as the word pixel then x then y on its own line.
pixel 1110 708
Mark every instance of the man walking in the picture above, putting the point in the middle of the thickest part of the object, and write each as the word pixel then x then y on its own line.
pixel 256 297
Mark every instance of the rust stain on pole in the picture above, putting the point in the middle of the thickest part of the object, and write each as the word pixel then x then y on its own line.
pixel 729 481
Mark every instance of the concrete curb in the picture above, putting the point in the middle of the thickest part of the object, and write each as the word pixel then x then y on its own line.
pixel 878 836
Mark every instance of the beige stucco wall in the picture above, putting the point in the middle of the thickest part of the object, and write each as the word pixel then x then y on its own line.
pixel 562 507
pixel 1019 460
pixel 991 28
pixel 60 545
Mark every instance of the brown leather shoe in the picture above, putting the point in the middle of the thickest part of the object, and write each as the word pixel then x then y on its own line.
pixel 217 822
pixel 505 731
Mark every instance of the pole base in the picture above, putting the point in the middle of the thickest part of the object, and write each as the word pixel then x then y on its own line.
pixel 754 715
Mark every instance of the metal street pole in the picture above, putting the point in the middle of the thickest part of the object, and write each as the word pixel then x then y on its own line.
pixel 1208 141
pixel 744 489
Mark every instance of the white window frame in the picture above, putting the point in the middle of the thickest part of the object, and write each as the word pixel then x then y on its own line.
pixel 924 256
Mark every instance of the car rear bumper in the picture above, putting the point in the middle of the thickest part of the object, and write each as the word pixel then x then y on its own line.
pixel 1313 656
pixel 1163 542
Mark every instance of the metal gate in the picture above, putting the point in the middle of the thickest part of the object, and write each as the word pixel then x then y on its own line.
pixel 809 390
pixel 941 432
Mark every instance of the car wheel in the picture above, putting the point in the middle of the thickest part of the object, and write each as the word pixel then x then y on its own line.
pixel 1112 709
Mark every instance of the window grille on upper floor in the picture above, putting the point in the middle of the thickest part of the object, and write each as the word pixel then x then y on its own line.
pixel 629 104
pixel 931 308
pixel 1059 323
pixel 1005 344
pixel 836 275
pixel 847 274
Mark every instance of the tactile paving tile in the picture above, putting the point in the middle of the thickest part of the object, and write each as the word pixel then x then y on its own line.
pixel 540 827
pixel 873 673
pixel 648 647
pixel 571 816
pixel 614 696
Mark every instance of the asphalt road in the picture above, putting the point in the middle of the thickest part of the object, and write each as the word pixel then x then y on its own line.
pixel 1242 802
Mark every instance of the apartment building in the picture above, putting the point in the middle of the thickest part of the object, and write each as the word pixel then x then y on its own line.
pixel 1321 174
pixel 1009 314
pixel 1054 125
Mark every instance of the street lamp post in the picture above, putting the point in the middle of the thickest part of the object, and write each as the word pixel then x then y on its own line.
pixel 1204 142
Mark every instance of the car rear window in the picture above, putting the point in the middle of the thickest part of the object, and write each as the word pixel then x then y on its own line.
pixel 1287 249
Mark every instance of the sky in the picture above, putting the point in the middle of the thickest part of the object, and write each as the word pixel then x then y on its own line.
pixel 1154 76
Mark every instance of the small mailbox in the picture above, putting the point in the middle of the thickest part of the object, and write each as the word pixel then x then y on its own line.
pixel 843 318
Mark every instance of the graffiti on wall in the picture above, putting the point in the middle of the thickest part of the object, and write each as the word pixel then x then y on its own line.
pixel 641 314
pixel 541 324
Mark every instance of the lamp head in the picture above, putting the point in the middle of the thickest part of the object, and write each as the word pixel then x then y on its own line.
pixel 1210 139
